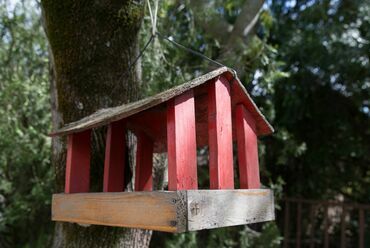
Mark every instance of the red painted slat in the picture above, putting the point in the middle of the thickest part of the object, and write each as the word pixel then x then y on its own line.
pixel 247 149
pixel 114 163
pixel 78 163
pixel 144 163
pixel 181 143
pixel 220 135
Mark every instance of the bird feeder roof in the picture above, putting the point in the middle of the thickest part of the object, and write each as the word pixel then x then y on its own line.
pixel 238 95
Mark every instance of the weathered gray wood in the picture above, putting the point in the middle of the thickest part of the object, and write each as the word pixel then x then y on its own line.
pixel 169 211
pixel 182 211
pixel 219 208
pixel 105 116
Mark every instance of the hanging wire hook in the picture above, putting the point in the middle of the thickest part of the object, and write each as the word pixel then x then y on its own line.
pixel 150 11
pixel 188 49
pixel 153 15
pixel 153 20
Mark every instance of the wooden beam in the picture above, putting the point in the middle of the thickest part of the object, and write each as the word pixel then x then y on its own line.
pixel 78 163
pixel 144 163
pixel 299 225
pixel 209 209
pixel 286 224
pixel 145 210
pixel 114 163
pixel 313 209
pixel 181 143
pixel 168 211
pixel 221 172
pixel 361 228
pixel 247 149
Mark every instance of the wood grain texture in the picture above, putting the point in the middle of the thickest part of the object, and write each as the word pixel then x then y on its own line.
pixel 78 163
pixel 168 211
pixel 221 172
pixel 145 210
pixel 247 149
pixel 114 163
pixel 105 116
pixel 144 163
pixel 219 208
pixel 181 143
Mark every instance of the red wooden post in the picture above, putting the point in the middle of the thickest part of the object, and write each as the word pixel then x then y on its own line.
pixel 220 135
pixel 247 149
pixel 114 163
pixel 144 163
pixel 78 163
pixel 181 143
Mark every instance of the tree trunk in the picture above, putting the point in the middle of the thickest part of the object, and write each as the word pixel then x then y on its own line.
pixel 92 43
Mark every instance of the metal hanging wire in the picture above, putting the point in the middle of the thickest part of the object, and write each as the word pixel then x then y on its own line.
pixel 153 19
pixel 188 49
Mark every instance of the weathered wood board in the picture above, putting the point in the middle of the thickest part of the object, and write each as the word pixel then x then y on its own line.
pixel 220 208
pixel 146 210
pixel 105 116
pixel 168 211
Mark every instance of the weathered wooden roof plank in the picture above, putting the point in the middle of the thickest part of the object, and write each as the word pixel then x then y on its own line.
pixel 105 116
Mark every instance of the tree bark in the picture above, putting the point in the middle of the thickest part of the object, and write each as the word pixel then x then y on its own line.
pixel 92 43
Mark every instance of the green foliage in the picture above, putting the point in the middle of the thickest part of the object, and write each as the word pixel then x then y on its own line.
pixel 307 67
pixel 25 174
pixel 182 240
pixel 269 237
pixel 322 144
pixel 165 65
pixel 230 237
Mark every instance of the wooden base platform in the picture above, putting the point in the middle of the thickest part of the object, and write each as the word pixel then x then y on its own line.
pixel 168 211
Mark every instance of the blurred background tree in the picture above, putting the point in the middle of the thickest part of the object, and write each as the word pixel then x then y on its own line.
pixel 306 63
pixel 25 173
pixel 322 110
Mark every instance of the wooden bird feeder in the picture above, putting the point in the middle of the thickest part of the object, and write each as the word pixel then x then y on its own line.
pixel 214 110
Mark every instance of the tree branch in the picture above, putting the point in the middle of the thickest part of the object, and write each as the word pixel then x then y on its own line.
pixel 247 19
pixel 215 28
pixel 232 38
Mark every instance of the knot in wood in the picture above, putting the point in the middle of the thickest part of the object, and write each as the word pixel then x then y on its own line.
pixel 194 208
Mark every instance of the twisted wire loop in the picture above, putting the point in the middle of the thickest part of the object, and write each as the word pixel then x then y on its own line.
pixel 155 33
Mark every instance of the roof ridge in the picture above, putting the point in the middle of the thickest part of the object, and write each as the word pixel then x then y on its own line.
pixel 106 115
